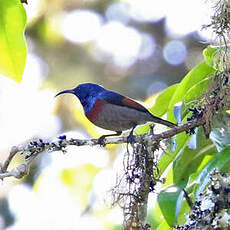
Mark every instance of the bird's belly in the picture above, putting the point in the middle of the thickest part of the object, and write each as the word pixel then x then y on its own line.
pixel 119 118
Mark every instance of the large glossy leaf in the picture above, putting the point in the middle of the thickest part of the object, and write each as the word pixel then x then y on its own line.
pixel 196 75
pixel 12 41
pixel 189 160
pixel 220 161
pixel 181 218
pixel 192 184
pixel 182 140
pixel 193 82
pixel 164 226
pixel 161 104
pixel 209 53
pixel 185 162
pixel 170 201
pixel 197 90
pixel 154 217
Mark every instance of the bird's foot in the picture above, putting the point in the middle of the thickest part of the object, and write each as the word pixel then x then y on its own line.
pixel 130 138
pixel 101 141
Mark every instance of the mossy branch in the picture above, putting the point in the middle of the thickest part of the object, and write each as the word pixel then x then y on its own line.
pixel 34 148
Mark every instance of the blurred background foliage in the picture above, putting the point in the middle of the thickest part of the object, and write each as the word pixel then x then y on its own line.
pixel 135 47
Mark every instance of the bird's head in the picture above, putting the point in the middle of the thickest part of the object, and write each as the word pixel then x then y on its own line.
pixel 84 91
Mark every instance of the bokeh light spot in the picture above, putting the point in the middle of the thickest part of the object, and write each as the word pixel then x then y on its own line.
pixel 27 109
pixel 183 17
pixel 146 10
pixel 175 52
pixel 81 26
pixel 118 12
pixel 148 46
pixel 155 87
pixel 121 42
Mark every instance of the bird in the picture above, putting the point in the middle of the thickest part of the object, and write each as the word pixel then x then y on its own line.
pixel 112 111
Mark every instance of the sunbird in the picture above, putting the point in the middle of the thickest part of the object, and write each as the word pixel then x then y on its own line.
pixel 112 111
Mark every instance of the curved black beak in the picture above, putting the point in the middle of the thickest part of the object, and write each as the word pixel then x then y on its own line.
pixel 65 91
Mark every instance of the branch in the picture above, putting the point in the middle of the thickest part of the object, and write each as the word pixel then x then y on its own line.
pixel 34 148
pixel 139 180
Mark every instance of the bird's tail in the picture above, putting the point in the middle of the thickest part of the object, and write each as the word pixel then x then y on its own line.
pixel 163 122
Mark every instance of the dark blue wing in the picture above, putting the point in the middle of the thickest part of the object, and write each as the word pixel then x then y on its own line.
pixel 118 99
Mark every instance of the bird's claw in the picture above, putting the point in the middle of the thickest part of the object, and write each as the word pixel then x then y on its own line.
pixel 101 141
pixel 130 138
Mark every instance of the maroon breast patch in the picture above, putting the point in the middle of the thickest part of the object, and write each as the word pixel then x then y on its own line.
pixel 93 114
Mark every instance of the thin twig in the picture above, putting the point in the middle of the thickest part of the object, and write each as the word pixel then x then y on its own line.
pixel 13 152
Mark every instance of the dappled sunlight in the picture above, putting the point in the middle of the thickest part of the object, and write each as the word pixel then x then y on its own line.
pixel 146 10
pixel 71 191
pixel 46 216
pixel 96 156
pixel 33 10
pixel 27 109
pixel 81 26
pixel 135 47
pixel 109 43
pixel 184 17
pixel 117 11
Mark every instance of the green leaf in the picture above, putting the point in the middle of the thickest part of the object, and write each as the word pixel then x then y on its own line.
pixel 168 180
pixel 197 90
pixel 12 41
pixel 182 141
pixel 192 184
pixel 196 75
pixel 220 161
pixel 164 226
pixel 162 102
pixel 154 217
pixel 209 54
pixel 185 162
pixel 170 202
pixel 181 218
pixel 189 160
